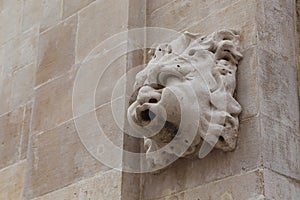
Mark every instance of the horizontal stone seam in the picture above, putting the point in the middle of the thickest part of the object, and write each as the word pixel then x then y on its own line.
pixel 85 179
pixel 16 108
pixel 77 11
pixel 72 119
pixel 208 183
pixel 292 179
pixel 61 21
pixel 280 122
pixel 159 8
pixel 203 19
pixel 13 165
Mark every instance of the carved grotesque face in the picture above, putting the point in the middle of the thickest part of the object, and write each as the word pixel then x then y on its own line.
pixel 188 85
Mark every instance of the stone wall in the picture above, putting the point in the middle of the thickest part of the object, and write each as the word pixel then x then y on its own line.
pixel 42 46
pixel 42 43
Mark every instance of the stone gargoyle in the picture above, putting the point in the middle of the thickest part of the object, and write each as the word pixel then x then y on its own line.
pixel 183 103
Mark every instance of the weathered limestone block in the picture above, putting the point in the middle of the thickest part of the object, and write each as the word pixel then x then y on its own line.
pixel 72 6
pixel 276 30
pixel 53 104
pixel 240 16
pixel 32 13
pixel 10 19
pixel 247 187
pixel 19 51
pixel 280 187
pixel 14 132
pixel 95 24
pixel 183 101
pixel 101 187
pixel 56 50
pixel 52 13
pixel 11 181
pixel 58 158
pixel 22 86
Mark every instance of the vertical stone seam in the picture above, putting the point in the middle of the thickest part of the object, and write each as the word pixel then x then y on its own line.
pixel 257 78
pixel 297 51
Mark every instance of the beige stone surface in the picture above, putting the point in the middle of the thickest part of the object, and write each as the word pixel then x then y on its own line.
pixel 155 4
pixel 19 51
pixel 52 13
pixel 245 186
pixel 136 13
pixel 22 85
pixel 108 123
pixel 14 133
pixel 280 147
pixel 12 181
pixel 5 92
pixel 239 16
pixel 53 103
pixel 108 81
pixel 278 90
pixel 101 187
pixel 92 30
pixel 178 14
pixel 72 6
pixel 276 28
pixel 280 187
pixel 56 50
pixel 96 84
pixel 57 158
pixel 32 13
pixel 10 19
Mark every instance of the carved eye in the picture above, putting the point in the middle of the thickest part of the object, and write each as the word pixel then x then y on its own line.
pixel 192 52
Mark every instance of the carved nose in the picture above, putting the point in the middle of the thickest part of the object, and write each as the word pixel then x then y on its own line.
pixel 148 94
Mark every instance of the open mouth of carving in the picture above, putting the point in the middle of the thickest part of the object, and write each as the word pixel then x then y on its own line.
pixel 147 115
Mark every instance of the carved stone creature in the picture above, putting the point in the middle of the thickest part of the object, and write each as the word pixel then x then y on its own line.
pixel 183 101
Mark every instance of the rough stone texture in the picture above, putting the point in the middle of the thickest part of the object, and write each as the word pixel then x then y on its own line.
pixel 245 186
pixel 52 13
pixel 5 92
pixel 107 122
pixel 56 50
pixel 53 103
pixel 19 51
pixel 68 161
pixel 239 16
pixel 276 30
pixel 91 30
pixel 72 6
pixel 280 187
pixel 178 14
pixel 32 13
pixel 280 147
pixel 278 88
pixel 10 19
pixel 108 81
pixel 14 129
pixel 22 85
pixel 12 181
pixel 101 187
